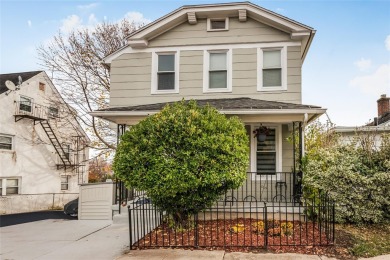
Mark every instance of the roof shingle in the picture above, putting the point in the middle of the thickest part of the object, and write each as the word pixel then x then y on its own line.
pixel 221 104
pixel 14 78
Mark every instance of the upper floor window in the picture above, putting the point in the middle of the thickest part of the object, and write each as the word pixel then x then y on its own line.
pixel 5 142
pixel 53 112
pixel 272 71
pixel 41 86
pixel 165 77
pixel 25 104
pixel 217 71
pixel 218 24
pixel 66 148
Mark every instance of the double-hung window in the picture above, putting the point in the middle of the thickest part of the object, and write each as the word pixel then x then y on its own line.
pixel 217 71
pixel 64 182
pixel 165 77
pixel 9 186
pixel 25 104
pixel 272 73
pixel 53 112
pixel 66 148
pixel 5 142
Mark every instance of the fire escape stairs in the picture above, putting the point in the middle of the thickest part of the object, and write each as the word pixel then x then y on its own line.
pixel 66 163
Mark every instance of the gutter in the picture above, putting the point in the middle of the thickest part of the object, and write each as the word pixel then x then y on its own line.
pixel 226 112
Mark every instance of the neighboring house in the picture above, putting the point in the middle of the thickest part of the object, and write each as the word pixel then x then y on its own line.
pixel 371 132
pixel 43 149
pixel 238 57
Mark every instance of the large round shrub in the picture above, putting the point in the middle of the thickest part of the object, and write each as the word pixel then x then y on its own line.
pixel 184 157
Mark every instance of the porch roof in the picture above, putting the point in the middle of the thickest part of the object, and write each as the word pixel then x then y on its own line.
pixel 231 106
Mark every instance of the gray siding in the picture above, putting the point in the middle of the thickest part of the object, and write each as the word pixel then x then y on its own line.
pixel 131 78
pixel 250 31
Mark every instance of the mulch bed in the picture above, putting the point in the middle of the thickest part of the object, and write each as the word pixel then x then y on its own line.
pixel 241 235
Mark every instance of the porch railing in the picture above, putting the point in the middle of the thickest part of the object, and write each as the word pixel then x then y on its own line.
pixel 273 187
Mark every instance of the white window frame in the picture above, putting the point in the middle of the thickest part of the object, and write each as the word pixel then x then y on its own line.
pixel 12 142
pixel 65 183
pixel 154 80
pixel 279 152
pixel 31 101
pixel 283 63
pixel 4 185
pixel 51 114
pixel 206 69
pixel 209 20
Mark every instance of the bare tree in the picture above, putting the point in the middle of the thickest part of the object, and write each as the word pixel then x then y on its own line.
pixel 75 62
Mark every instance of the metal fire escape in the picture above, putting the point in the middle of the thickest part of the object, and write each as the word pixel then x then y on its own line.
pixel 40 114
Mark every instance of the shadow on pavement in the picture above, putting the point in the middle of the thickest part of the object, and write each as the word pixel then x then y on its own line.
pixel 20 218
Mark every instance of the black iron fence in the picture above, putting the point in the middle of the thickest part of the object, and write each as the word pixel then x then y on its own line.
pixel 245 223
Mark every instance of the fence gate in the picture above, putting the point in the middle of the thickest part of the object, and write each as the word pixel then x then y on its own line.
pixel 95 201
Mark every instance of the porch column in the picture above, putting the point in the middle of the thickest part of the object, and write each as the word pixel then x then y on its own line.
pixel 120 188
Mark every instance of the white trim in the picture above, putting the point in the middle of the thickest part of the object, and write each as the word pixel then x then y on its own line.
pixel 128 49
pixel 209 20
pixel 226 112
pixel 154 89
pixel 283 57
pixel 206 67
pixel 257 13
pixel 278 147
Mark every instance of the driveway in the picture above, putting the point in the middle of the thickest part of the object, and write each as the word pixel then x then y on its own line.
pixel 64 239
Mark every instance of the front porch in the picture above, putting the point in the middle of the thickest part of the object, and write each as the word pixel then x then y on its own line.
pixel 274 173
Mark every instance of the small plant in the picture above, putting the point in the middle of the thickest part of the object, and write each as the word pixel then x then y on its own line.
pixel 238 228
pixel 258 227
pixel 287 228
pixel 261 133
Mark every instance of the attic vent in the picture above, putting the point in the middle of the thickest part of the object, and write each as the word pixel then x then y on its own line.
pixel 217 24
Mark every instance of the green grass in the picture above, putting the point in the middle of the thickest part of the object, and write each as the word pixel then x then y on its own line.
pixel 367 240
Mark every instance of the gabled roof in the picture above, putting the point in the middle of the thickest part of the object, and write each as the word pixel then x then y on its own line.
pixel 222 104
pixel 190 14
pixel 14 78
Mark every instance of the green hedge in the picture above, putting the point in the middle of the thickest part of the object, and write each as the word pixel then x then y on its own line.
pixel 184 157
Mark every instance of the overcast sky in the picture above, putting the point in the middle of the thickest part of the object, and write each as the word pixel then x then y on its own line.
pixel 346 69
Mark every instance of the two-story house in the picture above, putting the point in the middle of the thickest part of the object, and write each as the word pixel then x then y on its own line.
pixel 238 57
pixel 43 149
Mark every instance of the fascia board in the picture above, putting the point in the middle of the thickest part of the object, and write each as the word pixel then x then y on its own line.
pixel 255 12
pixel 227 112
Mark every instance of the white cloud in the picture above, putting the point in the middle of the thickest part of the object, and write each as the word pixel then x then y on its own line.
pixel 363 64
pixel 387 42
pixel 92 20
pixel 74 22
pixel 70 23
pixel 137 17
pixel 376 83
pixel 105 18
pixel 280 10
pixel 87 7
pixel 29 23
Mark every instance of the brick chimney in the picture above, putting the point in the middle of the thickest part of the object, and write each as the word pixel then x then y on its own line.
pixel 383 105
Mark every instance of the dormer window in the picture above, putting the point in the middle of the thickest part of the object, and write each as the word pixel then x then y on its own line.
pixel 218 24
